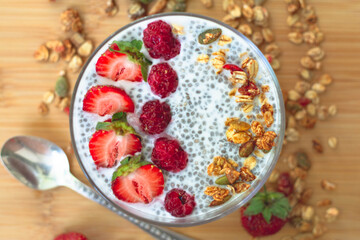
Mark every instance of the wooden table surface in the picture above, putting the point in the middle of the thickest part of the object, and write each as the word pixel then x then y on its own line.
pixel 29 214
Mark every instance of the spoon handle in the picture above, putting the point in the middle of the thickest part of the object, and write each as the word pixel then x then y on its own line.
pixel 155 231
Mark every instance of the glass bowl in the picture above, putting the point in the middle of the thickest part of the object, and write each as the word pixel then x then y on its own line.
pixel 82 126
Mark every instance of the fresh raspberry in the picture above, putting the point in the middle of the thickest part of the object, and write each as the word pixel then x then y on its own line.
pixel 284 184
pixel 155 117
pixel 179 203
pixel 160 42
pixel 169 155
pixel 163 80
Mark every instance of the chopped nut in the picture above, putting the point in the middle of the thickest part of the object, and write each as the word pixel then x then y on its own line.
pixel 85 49
pixel 229 20
pixel 218 203
pixel 203 58
pixel 266 141
pixel 69 50
pixel 257 128
pixel 70 20
pixel 207 3
pixel 332 110
pixel 42 53
pixel 257 38
pixel 319 37
pixel 77 39
pixel 245 29
pixel 293 95
pixel 302 86
pixel 65 102
pixel 311 109
pixel 235 11
pixel 217 193
pixel 135 10
pixel 158 6
pixel 309 37
pixel 307 62
pixel 300 114
pixel 319 229
pixel 311 94
pixel 317 146
pixel 43 109
pixel 54 57
pixel 318 87
pixel 272 49
pixel 308 122
pixel 291 123
pixel 298 172
pixel 275 64
pixel 250 162
pixel 246 175
pixel 177 29
pixel 292 135
pixel 268 35
pixel 331 214
pixel 75 63
pixel 223 40
pixel 48 97
pixel 332 142
pixel 323 113
pixel 111 8
pixel 292 19
pixel 316 53
pixel 305 74
pixel 291 161
pixel 325 79
pixel 261 16
pixel 293 7
pixel 232 175
pixel 241 187
pixel 295 37
pixel 269 119
pixel 227 4
pixel 307 213
pixel 248 12
pixel 274 176
pixel 220 163
pixel 323 203
pixel 306 195
pixel 55 45
pixel 325 184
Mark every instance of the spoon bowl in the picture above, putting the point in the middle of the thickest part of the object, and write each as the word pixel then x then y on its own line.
pixel 36 162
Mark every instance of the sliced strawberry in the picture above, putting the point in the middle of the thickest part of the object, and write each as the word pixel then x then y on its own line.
pixel 71 236
pixel 106 148
pixel 117 66
pixel 135 183
pixel 105 100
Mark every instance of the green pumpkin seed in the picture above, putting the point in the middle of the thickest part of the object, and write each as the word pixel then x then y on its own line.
pixel 222 181
pixel 62 87
pixel 209 36
pixel 246 148
pixel 303 161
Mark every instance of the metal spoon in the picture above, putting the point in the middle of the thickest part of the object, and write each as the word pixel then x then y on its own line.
pixel 42 165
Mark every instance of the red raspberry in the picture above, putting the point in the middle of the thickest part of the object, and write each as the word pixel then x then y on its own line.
pixel 249 89
pixel 160 42
pixel 284 184
pixel 179 203
pixel 163 80
pixel 169 155
pixel 155 117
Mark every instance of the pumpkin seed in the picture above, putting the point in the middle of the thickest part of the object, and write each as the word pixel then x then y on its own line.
pixel 209 36
pixel 246 148
pixel 61 87
pixel 222 181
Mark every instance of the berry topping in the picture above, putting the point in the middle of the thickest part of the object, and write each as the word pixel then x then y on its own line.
pixel 105 100
pixel 179 203
pixel 155 117
pixel 232 67
pixel 266 214
pixel 137 181
pixel 249 89
pixel 160 42
pixel 169 155
pixel 112 141
pixel 163 80
pixel 303 101
pixel 284 184
pixel 71 236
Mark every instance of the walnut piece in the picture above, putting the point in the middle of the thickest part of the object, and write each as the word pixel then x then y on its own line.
pixel 241 187
pixel 246 175
pixel 42 53
pixel 257 128
pixel 217 193
pixel 70 20
pixel 219 164
pixel 266 142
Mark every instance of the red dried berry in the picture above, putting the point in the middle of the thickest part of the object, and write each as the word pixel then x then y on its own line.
pixel 303 101
pixel 155 117
pixel 249 89
pixel 160 42
pixel 232 68
pixel 179 203
pixel 169 155
pixel 163 80
pixel 284 184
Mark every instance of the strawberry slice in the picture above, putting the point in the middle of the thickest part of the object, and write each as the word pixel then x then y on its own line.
pixel 137 182
pixel 113 140
pixel 105 100
pixel 71 236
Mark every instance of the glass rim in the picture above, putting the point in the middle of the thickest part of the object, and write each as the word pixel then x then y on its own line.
pixel 230 209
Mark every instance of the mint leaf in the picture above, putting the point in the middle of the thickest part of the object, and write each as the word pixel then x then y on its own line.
pixel 256 206
pixel 120 116
pixel 125 161
pixel 103 126
pixel 135 159
pixel 267 214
